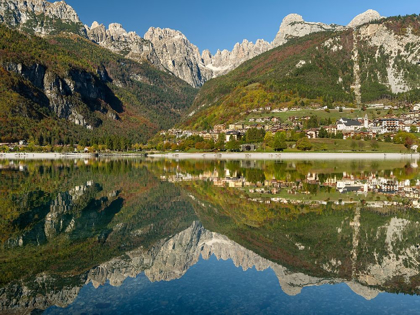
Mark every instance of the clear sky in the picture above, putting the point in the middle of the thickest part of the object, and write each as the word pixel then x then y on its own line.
pixel 219 24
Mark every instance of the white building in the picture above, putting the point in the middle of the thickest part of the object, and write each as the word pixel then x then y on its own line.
pixel 345 124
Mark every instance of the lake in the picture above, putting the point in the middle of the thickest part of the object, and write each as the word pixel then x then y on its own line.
pixel 156 236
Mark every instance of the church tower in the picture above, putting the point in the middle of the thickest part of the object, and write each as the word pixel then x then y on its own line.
pixel 366 122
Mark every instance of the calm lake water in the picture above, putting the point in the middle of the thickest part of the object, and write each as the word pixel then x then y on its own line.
pixel 209 237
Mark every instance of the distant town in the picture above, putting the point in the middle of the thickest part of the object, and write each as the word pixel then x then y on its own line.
pixel 382 127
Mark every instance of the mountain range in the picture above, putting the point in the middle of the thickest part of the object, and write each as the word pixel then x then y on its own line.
pixel 171 50
pixel 370 58
pixel 166 48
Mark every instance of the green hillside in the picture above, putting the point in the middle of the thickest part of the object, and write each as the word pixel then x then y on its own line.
pixel 46 82
pixel 315 69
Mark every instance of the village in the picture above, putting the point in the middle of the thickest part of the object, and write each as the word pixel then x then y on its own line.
pixel 311 127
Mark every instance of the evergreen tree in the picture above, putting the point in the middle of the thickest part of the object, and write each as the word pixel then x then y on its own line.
pixel 233 145
pixel 323 133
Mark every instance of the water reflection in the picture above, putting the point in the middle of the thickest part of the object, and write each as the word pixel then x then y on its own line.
pixel 378 184
pixel 67 224
pixel 171 259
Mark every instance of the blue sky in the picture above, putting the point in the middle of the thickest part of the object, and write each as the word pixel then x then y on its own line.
pixel 219 24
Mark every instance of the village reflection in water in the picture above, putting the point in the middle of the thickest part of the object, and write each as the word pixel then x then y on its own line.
pixel 68 225
pixel 311 182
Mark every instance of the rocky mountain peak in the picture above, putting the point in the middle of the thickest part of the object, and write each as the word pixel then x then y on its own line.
pixel 178 55
pixel 116 30
pixel 22 11
pixel 292 18
pixel 294 25
pixel 157 33
pixel 365 17
pixel 30 16
pixel 116 39
pixel 95 24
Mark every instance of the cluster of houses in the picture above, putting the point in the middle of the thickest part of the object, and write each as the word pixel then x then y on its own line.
pixel 14 146
pixel 366 127
pixel 346 184
pixel 349 128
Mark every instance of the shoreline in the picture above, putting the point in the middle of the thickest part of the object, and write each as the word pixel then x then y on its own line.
pixel 217 156
pixel 287 156
pixel 64 156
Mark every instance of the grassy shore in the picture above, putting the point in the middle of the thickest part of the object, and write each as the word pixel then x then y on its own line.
pixel 339 145
pixel 289 156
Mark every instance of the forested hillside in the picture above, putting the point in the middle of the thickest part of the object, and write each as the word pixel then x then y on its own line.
pixel 65 89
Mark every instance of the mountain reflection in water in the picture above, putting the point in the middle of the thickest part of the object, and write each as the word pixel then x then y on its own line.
pixel 68 224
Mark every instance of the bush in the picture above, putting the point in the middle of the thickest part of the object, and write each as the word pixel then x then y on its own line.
pixel 304 144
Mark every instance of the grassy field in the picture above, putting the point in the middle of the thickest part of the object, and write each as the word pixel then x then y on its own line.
pixel 333 114
pixel 338 145
pixel 324 196
pixel 345 146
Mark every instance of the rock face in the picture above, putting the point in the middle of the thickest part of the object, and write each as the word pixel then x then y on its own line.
pixel 118 40
pixel 224 61
pixel 38 16
pixel 294 26
pixel 57 92
pixel 178 55
pixel 184 60
pixel 399 49
pixel 363 18
pixel 25 301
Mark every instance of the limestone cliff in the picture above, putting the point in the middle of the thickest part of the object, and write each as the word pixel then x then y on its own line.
pixel 398 51
pixel 118 40
pixel 294 26
pixel 184 59
pixel 40 16
pixel 224 61
pixel 59 92
pixel 365 17
pixel 178 55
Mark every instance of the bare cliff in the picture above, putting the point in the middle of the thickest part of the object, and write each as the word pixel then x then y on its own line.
pixel 40 16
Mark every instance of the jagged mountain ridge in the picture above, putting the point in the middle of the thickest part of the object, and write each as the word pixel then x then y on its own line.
pixel 118 40
pixel 177 54
pixel 350 66
pixel 165 48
